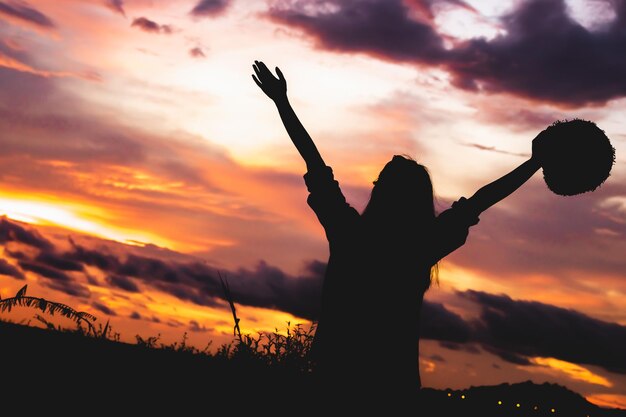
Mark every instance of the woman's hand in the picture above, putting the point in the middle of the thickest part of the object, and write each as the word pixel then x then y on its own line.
pixel 274 88
pixel 538 152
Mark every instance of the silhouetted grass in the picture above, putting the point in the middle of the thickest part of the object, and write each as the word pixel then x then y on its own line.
pixel 71 371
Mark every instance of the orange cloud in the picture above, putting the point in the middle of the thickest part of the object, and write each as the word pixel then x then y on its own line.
pixel 573 371
pixel 21 13
pixel 608 400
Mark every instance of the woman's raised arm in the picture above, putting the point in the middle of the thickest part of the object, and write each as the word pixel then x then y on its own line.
pixel 276 89
pixel 501 188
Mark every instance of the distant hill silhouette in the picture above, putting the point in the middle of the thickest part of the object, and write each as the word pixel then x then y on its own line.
pixel 520 399
pixel 61 371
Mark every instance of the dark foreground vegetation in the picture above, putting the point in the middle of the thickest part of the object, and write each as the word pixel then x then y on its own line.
pixel 61 371
pixel 88 371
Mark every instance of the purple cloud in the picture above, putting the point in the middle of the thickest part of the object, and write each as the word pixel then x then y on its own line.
pixel 546 55
pixel 44 271
pixel 58 261
pixel 116 5
pixel 381 28
pixel 439 323
pixel 9 270
pixel 101 307
pixel 122 282
pixel 11 231
pixel 516 330
pixel 150 26
pixel 21 11
pixel 543 54
pixel 73 288
pixel 210 8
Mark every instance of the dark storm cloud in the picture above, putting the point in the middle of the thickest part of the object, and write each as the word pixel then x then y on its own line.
pixel 101 307
pixel 150 26
pixel 194 326
pixel 268 286
pixel 122 282
pixel 542 54
pixel 210 8
pixel 516 330
pixel 508 356
pixel 58 261
pixel 47 262
pixel 381 28
pixel 103 261
pixel 188 292
pixel 16 254
pixel 21 11
pixel 438 323
pixel 264 286
pixel 547 55
pixel 44 271
pixel 13 232
pixel 150 269
pixel 9 270
pixel 72 288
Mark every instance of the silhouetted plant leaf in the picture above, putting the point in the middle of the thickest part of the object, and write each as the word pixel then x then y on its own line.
pixel 21 292
pixel 105 330
pixel 51 307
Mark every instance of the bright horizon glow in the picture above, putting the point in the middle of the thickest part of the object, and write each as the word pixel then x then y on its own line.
pixel 47 213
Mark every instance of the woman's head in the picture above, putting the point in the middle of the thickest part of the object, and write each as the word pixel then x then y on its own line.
pixel 402 203
pixel 403 193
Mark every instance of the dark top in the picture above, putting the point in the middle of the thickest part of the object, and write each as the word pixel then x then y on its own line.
pixel 368 330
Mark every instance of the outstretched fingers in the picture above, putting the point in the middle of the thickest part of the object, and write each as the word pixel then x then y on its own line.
pixel 256 70
pixel 262 66
pixel 257 81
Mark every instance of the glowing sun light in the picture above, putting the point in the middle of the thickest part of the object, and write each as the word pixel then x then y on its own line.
pixel 50 214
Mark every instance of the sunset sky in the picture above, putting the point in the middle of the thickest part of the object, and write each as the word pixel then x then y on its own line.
pixel 139 160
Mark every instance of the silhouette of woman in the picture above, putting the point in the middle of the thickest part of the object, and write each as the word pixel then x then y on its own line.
pixel 381 263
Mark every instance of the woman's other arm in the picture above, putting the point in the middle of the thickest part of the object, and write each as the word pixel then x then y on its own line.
pixel 504 186
pixel 501 188
pixel 452 226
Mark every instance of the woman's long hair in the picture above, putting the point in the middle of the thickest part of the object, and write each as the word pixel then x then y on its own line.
pixel 402 199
